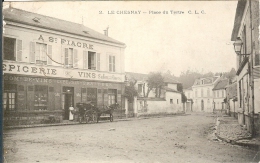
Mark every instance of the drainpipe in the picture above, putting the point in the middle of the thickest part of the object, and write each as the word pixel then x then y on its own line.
pixel 251 79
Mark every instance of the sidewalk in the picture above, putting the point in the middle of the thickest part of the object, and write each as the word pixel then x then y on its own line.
pixel 228 130
pixel 67 122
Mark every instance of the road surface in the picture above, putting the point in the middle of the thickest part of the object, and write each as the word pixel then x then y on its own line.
pixel 155 140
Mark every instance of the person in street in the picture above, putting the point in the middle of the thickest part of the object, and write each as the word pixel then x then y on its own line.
pixel 71 115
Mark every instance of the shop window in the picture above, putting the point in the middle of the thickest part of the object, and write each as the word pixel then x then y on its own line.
pixel 12 49
pixel 71 58
pixel 112 98
pixel 9 99
pixel 112 63
pixel 40 97
pixel 171 101
pixel 257 59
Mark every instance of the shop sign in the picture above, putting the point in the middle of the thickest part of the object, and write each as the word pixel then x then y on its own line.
pixel 63 41
pixel 45 71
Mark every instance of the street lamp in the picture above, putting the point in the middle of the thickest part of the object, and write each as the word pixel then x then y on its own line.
pixel 238 46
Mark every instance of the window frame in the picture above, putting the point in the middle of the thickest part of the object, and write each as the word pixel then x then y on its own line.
pixel 113 63
pixel 15 48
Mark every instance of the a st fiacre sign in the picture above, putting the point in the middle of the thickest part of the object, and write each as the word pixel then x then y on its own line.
pixel 60 72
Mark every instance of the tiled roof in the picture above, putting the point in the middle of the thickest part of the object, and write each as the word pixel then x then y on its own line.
pixel 221 84
pixel 137 76
pixel 46 22
pixel 168 79
pixel 170 90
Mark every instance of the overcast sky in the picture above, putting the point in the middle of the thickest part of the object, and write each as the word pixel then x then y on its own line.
pixel 157 42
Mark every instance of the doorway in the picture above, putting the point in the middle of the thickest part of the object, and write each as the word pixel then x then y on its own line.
pixel 202 105
pixel 67 100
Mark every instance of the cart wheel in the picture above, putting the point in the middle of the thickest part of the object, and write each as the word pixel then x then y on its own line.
pixel 111 118
pixel 80 119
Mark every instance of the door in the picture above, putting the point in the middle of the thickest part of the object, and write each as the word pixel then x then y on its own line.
pixel 67 100
pixel 92 95
pixel 202 105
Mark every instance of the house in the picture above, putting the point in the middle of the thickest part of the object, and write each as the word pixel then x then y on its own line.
pixel 231 96
pixel 245 35
pixel 219 94
pixel 169 101
pixel 202 93
pixel 189 94
pixel 51 64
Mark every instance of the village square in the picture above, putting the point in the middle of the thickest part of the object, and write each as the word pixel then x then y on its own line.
pixel 132 93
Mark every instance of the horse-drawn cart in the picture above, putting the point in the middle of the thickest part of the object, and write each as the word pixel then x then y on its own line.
pixel 89 113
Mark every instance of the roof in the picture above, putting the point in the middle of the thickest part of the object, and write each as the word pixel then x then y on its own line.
pixel 142 77
pixel 137 76
pixel 221 84
pixel 168 79
pixel 238 18
pixel 170 90
pixel 46 22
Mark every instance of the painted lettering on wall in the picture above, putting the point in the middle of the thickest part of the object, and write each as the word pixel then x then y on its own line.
pixel 70 43
pixel 26 69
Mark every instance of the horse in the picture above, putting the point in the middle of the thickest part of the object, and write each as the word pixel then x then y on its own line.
pixel 86 111
pixel 109 110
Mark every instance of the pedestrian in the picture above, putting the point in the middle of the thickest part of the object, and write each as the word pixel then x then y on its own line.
pixel 71 115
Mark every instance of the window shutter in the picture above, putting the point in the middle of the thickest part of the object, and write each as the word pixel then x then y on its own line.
pixel 32 52
pixel 114 64
pixel 49 55
pixel 110 65
pixel 19 50
pixel 85 59
pixel 75 58
pixel 98 61
pixel 66 53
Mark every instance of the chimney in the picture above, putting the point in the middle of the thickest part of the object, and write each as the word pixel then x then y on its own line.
pixel 106 31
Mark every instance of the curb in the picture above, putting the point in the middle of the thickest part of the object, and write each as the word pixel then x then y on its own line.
pixel 77 123
pixel 234 142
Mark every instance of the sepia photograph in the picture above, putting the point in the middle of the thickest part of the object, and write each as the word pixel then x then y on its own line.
pixel 130 81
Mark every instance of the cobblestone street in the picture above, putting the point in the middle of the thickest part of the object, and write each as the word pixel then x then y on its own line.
pixel 166 139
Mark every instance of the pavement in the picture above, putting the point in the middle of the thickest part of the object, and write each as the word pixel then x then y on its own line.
pixel 228 130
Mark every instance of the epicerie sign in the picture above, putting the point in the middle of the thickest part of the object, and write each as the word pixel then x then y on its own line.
pixel 67 42
pixel 15 68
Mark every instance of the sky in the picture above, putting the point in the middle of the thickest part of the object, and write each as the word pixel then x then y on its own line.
pixel 156 41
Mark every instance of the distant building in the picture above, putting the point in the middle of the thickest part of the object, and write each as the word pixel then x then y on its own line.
pixel 206 94
pixel 169 101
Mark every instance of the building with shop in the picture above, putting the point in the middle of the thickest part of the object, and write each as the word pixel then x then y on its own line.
pixel 245 35
pixel 51 64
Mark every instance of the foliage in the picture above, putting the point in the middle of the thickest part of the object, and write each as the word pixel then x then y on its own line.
pixel 155 80
pixel 183 98
pixel 130 92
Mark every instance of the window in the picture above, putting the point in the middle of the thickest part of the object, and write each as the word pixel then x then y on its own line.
pixel 112 63
pixel 112 99
pixel 12 49
pixel 71 58
pixel 41 53
pixel 222 93
pixel 171 101
pixel 202 81
pixel 208 93
pixel 140 88
pixel 91 60
pixel 40 97
pixel 9 100
pixel 177 101
pixel 217 93
pixel 214 94
pixel 202 95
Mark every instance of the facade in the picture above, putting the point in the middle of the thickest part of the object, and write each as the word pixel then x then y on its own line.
pixel 203 96
pixel 246 31
pixel 51 64
pixel 231 92
pixel 219 94
pixel 169 101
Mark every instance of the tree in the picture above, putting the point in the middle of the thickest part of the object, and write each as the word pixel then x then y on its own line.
pixel 155 80
pixel 130 91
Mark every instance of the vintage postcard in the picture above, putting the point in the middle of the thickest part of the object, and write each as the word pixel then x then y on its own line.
pixel 131 81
